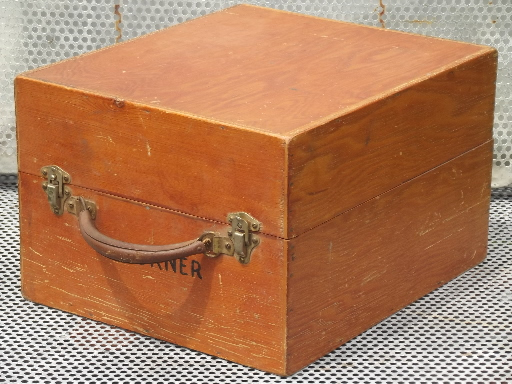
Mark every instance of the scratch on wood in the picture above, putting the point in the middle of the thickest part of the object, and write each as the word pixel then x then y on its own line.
pixel 148 148
pixel 237 345
pixel 254 343
pixel 32 261
pixel 444 238
pixel 67 269
pixel 118 21
pixel 110 317
pixel 106 137
pixel 373 275
pixel 65 239
pixel 120 308
pixel 33 250
pixel 148 277
pixel 324 36
pixel 176 333
pixel 461 212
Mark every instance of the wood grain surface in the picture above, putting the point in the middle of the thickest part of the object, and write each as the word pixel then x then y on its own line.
pixel 260 68
pixel 350 273
pixel 217 306
pixel 355 157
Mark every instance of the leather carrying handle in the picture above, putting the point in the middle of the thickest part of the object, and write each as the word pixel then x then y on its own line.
pixel 133 253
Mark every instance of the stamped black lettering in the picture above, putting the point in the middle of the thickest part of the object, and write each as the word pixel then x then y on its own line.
pixel 173 265
pixel 196 269
pixel 192 269
pixel 183 266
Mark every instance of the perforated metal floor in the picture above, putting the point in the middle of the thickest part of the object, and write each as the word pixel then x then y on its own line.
pixel 460 333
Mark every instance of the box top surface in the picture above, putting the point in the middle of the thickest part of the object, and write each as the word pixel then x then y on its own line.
pixel 262 69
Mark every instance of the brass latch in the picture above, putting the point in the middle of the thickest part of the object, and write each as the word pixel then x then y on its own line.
pixel 243 226
pixel 240 241
pixel 55 188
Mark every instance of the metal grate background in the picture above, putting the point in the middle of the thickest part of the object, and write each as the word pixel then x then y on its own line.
pixel 460 333
pixel 38 32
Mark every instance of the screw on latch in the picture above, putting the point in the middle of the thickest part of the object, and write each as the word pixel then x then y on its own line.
pixel 45 185
pixel 71 205
pixel 239 225
pixel 228 246
pixel 255 240
pixel 207 242
pixel 44 172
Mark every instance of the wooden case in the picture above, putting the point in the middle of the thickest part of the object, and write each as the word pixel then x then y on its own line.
pixel 365 154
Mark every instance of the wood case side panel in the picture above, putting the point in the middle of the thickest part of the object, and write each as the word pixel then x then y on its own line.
pixel 147 154
pixel 371 150
pixel 352 272
pixel 214 305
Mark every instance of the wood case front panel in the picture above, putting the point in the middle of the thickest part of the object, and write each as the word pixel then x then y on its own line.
pixel 147 154
pixel 352 272
pixel 385 143
pixel 217 306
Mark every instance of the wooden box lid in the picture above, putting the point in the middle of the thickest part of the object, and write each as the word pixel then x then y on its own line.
pixel 281 115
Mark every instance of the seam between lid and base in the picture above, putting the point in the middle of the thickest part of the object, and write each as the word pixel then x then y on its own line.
pixel 153 205
pixel 172 210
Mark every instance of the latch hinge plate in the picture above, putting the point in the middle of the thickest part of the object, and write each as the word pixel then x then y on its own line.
pixel 55 187
pixel 240 241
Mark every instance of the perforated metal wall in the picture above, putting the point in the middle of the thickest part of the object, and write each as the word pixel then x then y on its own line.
pixel 38 32
pixel 460 333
